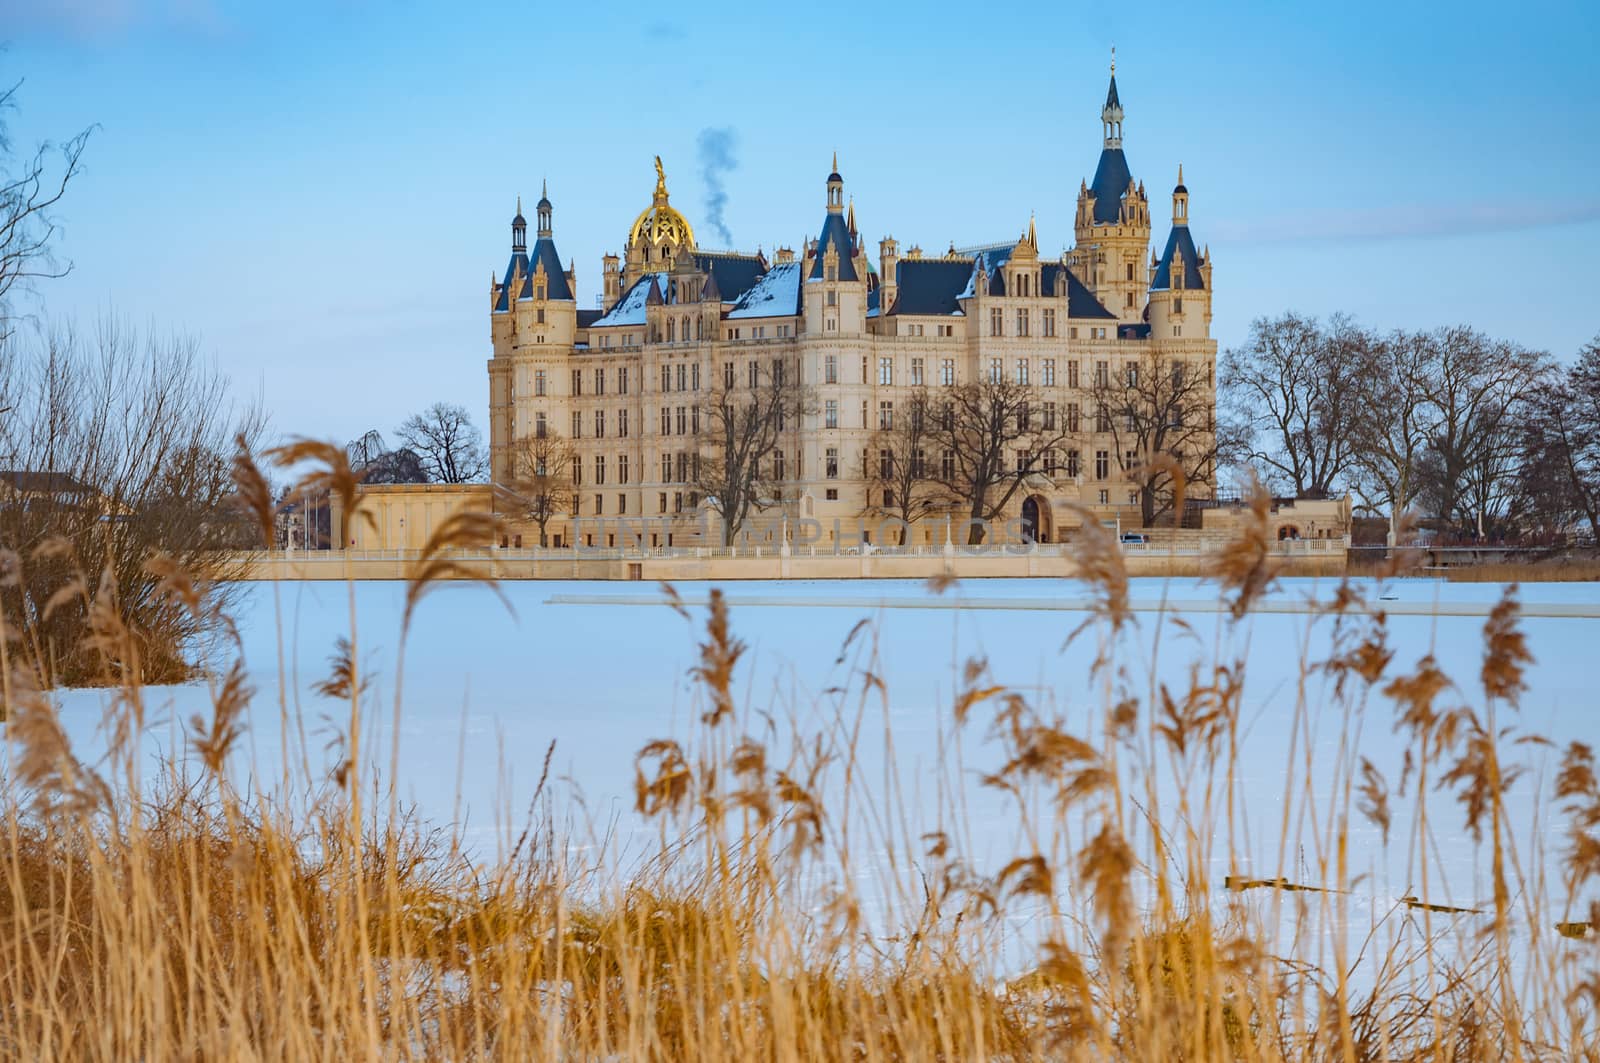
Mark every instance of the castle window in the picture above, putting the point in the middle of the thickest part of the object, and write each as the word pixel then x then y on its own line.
pixel 1177 304
pixel 577 381
pixel 916 372
pixel 727 374
pixel 622 474
pixel 1177 330
pixel 886 469
pixel 997 370
pixel 599 475
pixel 1074 417
pixel 1049 323
pixel 833 298
pixel 694 377
pixel 666 378
pixel 622 423
pixel 830 369
pixel 538 382
pixel 830 414
pixel 885 371
pixel 541 428
pixel 1049 372
pixel 539 316
pixel 577 425
pixel 1102 467
pixel 599 508
pixel 777 464
pixel 947 372
pixel 831 463
pixel 622 502
pixel 1022 322
pixel 599 381
pixel 577 472
pixel 885 415
pixel 683 376
pixel 622 380
pixel 1130 299
pixel 1022 370
pixel 599 424
pixel 997 321
pixel 947 465
pixel 666 420
pixel 671 331
pixel 1049 417
pixel 666 477
pixel 1072 463
pixel 1130 271
pixel 753 373
pixel 683 420
pixel 662 498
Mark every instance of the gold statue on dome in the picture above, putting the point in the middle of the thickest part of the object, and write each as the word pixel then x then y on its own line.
pixel 661 180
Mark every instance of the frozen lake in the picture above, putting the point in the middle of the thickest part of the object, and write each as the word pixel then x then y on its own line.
pixel 486 690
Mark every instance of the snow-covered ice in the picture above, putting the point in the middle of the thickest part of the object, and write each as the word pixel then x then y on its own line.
pixel 486 690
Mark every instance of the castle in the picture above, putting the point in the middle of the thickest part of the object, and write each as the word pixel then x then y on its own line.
pixel 624 385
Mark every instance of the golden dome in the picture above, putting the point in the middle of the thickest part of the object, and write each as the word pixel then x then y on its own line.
pixel 660 225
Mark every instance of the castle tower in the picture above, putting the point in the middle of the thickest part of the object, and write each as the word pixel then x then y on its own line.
pixel 1112 227
pixel 1180 289
pixel 836 289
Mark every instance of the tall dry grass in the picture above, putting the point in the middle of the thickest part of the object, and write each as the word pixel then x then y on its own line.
pixel 165 914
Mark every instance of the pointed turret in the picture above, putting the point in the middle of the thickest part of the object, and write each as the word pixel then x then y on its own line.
pixel 838 233
pixel 519 230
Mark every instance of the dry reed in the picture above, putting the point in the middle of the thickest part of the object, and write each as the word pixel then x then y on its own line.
pixel 179 918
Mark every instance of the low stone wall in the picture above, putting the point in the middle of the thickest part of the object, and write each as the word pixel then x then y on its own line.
pixel 1045 560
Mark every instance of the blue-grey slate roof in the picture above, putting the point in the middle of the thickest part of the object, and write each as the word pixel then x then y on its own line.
pixel 837 233
pixel 589 317
pixel 1179 243
pixel 1081 302
pixel 1111 94
pixel 735 274
pixel 930 285
pixel 544 251
pixel 1111 179
pixel 937 285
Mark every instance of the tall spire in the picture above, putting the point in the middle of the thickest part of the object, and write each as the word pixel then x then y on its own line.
pixel 519 230
pixel 1111 113
pixel 542 209
pixel 835 188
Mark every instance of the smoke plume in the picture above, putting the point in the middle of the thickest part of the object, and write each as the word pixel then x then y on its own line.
pixel 716 160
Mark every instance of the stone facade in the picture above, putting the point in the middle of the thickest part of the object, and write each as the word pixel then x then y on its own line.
pixel 622 383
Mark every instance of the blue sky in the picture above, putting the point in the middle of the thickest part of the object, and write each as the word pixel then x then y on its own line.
pixel 322 192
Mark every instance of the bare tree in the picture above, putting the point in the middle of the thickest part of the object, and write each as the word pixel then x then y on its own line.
pixel 118 447
pixel 1475 391
pixel 1559 459
pixel 1291 387
pixel 991 436
pixel 744 424
pixel 1158 411
pixel 1395 422
pixel 899 466
pixel 540 487
pixel 370 457
pixel 449 444
pixel 30 188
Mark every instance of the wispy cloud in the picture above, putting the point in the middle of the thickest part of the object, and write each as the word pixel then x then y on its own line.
pixel 1402 222
pixel 90 20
